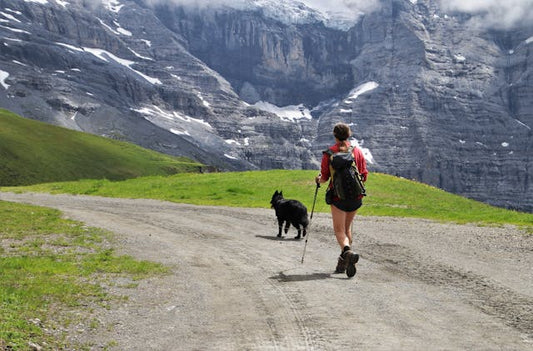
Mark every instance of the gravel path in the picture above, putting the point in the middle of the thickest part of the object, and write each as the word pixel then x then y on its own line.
pixel 233 285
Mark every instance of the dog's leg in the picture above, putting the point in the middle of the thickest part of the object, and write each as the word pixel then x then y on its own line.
pixel 297 226
pixel 280 226
pixel 287 225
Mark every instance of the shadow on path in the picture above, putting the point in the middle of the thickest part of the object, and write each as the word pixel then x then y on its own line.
pixel 275 238
pixel 284 278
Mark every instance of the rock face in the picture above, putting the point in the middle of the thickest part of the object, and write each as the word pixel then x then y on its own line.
pixel 114 69
pixel 266 59
pixel 429 96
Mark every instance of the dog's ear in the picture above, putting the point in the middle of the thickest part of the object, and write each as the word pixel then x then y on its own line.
pixel 281 193
pixel 276 193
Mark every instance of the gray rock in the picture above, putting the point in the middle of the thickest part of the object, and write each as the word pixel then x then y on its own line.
pixel 430 96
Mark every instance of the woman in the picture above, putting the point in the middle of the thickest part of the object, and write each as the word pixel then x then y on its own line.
pixel 343 211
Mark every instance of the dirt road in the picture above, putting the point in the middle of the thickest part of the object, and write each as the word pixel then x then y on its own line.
pixel 234 286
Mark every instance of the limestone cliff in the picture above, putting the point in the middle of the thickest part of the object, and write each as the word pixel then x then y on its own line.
pixel 257 86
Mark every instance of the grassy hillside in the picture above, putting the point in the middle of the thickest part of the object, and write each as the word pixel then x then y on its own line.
pixel 387 195
pixel 35 152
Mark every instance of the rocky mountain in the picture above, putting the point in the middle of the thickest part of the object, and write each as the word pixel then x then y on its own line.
pixel 256 84
pixel 114 69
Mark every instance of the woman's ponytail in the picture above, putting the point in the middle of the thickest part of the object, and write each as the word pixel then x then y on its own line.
pixel 343 147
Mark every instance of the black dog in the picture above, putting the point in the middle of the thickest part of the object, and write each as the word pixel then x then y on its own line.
pixel 291 212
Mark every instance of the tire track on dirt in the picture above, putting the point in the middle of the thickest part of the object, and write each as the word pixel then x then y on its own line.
pixel 283 309
pixel 514 309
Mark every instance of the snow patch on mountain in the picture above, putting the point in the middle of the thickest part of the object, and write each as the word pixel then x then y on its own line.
pixel 3 76
pixel 118 31
pixel 16 30
pixel 230 157
pixel 11 39
pixel 13 11
pixel 105 56
pixel 458 58
pixel 155 111
pixel 286 11
pixel 42 2
pixel 122 30
pixel 179 132
pixel 289 12
pixel 204 102
pixel 140 56
pixel 112 5
pixel 366 152
pixel 70 47
pixel 232 142
pixel 360 90
pixel 290 113
pixel 295 12
pixel 522 124
pixel 9 17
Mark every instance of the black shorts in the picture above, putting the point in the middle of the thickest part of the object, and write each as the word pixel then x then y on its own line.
pixel 348 205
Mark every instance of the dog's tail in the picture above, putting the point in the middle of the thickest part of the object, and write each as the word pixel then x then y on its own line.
pixel 305 221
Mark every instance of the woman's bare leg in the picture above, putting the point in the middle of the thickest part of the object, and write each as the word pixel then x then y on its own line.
pixel 342 226
pixel 339 226
pixel 348 225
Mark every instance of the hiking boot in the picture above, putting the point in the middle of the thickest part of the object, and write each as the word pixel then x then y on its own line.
pixel 351 259
pixel 341 265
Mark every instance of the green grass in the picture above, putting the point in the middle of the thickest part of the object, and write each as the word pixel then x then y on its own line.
pixel 49 268
pixel 387 195
pixel 34 152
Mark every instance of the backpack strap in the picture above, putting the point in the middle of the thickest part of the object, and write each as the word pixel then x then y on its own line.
pixel 330 153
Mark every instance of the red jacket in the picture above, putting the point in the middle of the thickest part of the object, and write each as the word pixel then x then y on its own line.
pixel 359 161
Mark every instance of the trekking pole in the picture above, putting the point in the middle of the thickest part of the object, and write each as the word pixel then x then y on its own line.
pixel 312 211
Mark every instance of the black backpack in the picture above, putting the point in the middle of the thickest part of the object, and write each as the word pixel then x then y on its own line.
pixel 346 179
